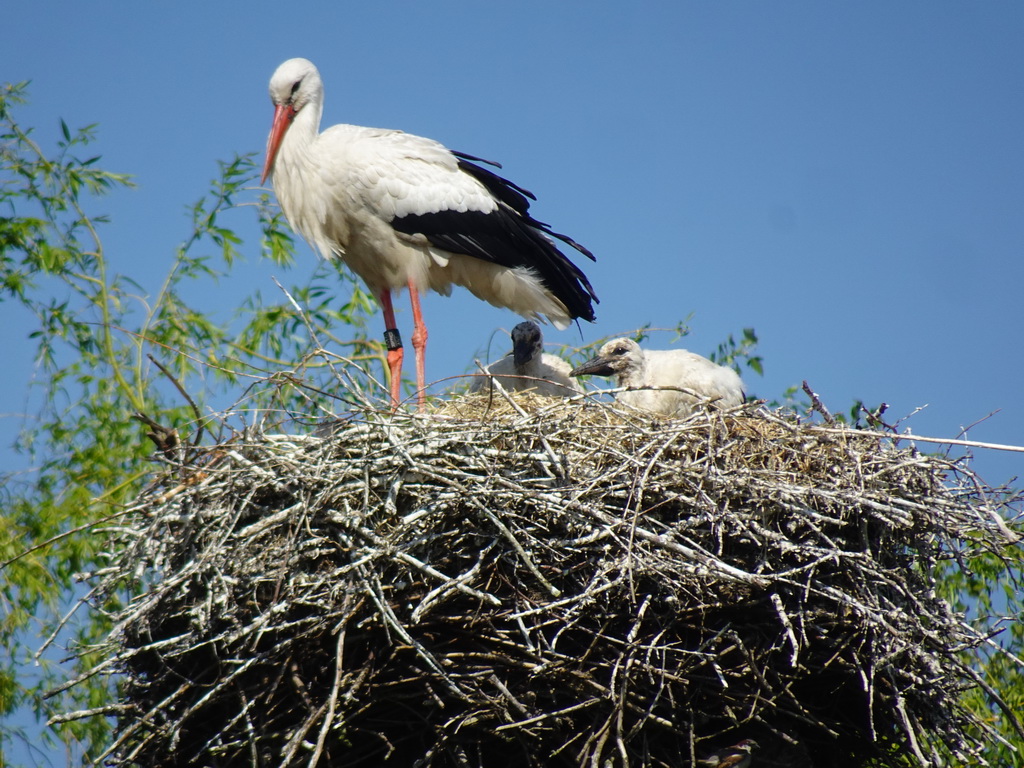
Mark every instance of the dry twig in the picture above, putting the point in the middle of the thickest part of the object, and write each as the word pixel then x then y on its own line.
pixel 517 581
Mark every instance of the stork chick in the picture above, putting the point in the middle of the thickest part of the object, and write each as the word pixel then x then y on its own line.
pixel 655 377
pixel 528 368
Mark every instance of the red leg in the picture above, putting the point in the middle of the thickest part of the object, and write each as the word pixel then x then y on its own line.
pixel 419 345
pixel 394 344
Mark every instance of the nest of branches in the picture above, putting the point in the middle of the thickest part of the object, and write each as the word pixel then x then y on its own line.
pixel 523 582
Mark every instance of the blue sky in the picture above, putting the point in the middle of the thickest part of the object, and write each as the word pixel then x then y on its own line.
pixel 846 178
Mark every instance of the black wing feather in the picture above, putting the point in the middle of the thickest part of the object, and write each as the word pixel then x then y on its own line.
pixel 506 190
pixel 508 236
pixel 475 159
pixel 503 189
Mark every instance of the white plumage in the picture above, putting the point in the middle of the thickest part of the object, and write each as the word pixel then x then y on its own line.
pixel 646 371
pixel 404 211
pixel 528 368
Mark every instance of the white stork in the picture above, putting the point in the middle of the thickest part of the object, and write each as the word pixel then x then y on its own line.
pixel 528 368
pixel 656 376
pixel 404 211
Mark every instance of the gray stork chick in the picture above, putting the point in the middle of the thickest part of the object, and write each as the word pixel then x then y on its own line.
pixel 528 368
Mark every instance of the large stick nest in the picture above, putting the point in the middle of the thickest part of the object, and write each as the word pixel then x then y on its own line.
pixel 565 585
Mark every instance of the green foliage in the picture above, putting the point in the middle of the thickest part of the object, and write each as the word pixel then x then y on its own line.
pixel 987 587
pixel 106 350
pixel 737 353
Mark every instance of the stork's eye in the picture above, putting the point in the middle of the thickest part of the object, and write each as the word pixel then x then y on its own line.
pixel 295 87
pixel 619 351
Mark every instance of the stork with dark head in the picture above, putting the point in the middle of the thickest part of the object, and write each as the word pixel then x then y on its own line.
pixel 403 211
pixel 528 368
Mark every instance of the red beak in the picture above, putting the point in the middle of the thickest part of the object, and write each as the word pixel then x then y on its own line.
pixel 283 116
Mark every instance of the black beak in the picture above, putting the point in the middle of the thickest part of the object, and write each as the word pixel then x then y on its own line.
pixel 596 366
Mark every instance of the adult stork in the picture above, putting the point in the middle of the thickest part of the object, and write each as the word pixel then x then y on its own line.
pixel 405 211
pixel 528 368
pixel 669 382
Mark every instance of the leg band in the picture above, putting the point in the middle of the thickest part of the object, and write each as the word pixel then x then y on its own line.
pixel 392 339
